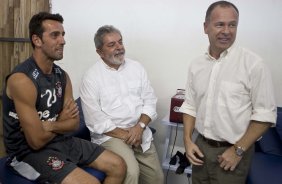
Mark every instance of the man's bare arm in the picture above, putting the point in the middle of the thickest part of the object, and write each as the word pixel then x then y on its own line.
pixel 23 92
pixel 68 120
pixel 118 133
pixel 229 159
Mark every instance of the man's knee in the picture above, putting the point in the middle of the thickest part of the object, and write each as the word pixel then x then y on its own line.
pixel 119 166
pixel 79 176
pixel 155 176
pixel 110 163
pixel 160 176
pixel 133 172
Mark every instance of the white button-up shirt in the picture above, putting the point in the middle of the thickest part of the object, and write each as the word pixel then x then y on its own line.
pixel 116 98
pixel 226 94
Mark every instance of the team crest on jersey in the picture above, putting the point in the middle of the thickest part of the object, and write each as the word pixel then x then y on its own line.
pixel 59 89
pixel 55 163
pixel 57 70
pixel 35 73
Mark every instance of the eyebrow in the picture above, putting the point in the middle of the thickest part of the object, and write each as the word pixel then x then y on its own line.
pixel 57 33
pixel 112 42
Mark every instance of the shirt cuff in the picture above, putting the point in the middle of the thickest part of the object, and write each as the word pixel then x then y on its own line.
pixel 151 114
pixel 264 115
pixel 187 109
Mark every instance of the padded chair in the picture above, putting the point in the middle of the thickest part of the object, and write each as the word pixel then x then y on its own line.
pixel 266 165
pixel 8 175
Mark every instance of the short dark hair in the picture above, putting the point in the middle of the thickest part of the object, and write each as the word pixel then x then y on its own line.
pixel 221 4
pixel 35 24
pixel 99 35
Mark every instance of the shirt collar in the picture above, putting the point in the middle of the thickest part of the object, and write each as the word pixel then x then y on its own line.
pixel 121 67
pixel 224 54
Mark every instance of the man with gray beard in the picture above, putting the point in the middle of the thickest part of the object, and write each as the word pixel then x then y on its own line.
pixel 118 104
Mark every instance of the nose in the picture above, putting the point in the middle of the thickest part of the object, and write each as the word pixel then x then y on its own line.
pixel 61 40
pixel 119 46
pixel 226 29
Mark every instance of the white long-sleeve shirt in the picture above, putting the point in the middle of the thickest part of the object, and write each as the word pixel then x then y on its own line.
pixel 224 95
pixel 116 98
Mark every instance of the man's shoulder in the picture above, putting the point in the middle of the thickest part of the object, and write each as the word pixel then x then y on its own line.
pixel 93 71
pixel 58 69
pixel 249 55
pixel 25 65
pixel 244 51
pixel 198 60
pixel 97 66
pixel 133 63
pixel 25 69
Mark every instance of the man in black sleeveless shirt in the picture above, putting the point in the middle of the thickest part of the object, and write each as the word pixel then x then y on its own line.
pixel 39 112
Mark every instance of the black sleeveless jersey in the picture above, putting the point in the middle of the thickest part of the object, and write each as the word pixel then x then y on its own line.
pixel 49 103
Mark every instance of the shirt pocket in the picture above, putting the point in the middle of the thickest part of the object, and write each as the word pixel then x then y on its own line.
pixel 110 99
pixel 232 95
pixel 134 88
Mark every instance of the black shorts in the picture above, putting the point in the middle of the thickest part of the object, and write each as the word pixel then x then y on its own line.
pixel 53 163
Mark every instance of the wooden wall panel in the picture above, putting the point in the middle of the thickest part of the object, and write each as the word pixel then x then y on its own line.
pixel 14 20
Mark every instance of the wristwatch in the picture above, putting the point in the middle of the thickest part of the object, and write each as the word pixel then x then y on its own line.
pixel 239 150
pixel 143 125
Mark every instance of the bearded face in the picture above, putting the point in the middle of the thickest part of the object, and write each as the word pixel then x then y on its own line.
pixel 113 50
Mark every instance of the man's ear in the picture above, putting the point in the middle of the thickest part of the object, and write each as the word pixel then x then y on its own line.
pixel 36 40
pixel 100 52
pixel 205 27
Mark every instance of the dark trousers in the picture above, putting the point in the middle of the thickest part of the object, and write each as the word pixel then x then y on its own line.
pixel 211 172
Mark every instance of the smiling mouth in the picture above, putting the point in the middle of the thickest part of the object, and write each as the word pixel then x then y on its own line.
pixel 119 54
pixel 60 50
pixel 224 40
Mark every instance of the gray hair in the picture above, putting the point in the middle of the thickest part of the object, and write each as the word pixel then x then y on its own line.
pixel 221 4
pixel 99 35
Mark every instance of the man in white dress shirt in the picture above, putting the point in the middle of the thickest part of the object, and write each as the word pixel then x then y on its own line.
pixel 229 100
pixel 118 104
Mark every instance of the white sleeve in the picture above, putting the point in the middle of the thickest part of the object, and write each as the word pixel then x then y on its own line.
pixel 148 96
pixel 95 119
pixel 262 94
pixel 188 106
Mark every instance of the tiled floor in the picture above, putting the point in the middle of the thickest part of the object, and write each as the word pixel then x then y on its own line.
pixel 173 178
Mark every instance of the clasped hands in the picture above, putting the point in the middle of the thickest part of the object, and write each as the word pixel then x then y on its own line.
pixel 134 136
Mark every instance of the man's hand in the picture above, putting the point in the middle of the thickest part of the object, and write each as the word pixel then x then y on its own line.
pixel 69 111
pixel 47 126
pixel 194 154
pixel 135 135
pixel 229 160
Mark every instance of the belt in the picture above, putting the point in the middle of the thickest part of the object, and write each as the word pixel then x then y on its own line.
pixel 215 143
